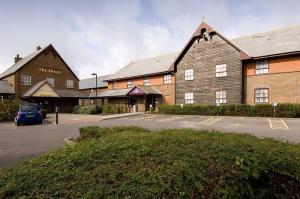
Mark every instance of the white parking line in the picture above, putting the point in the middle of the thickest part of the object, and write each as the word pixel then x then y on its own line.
pixel 211 120
pixel 278 124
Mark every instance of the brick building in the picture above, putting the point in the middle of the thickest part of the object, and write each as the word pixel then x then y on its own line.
pixel 212 69
pixel 44 77
pixel 142 83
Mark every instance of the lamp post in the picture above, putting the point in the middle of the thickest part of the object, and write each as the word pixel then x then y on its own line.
pixel 95 74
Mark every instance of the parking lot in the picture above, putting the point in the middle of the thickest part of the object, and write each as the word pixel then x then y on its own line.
pixel 17 143
pixel 285 129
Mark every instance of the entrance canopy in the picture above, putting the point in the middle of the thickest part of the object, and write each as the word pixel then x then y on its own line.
pixel 143 90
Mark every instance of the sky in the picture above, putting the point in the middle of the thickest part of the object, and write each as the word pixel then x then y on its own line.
pixel 102 36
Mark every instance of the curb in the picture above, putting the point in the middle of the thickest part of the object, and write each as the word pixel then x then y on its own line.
pixel 69 141
pixel 121 116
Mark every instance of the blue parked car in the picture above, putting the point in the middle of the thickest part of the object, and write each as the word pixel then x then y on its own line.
pixel 29 114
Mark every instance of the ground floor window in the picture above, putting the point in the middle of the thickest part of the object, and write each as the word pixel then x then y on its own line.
pixel 221 97
pixel 189 98
pixel 261 95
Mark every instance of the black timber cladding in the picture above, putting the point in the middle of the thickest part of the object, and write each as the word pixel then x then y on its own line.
pixel 203 56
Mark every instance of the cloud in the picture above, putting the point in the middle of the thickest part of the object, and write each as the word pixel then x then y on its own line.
pixel 103 36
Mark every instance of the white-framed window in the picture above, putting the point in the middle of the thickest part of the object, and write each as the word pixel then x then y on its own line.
pixel 147 81
pixel 221 97
pixel 261 95
pixel 115 85
pixel 70 83
pixel 189 98
pixel 26 80
pixel 262 67
pixel 129 83
pixel 189 74
pixel 167 79
pixel 221 70
pixel 51 81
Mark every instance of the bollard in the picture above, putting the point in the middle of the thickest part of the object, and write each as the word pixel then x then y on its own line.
pixel 56 113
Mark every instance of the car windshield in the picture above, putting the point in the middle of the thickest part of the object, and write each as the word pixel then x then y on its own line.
pixel 29 108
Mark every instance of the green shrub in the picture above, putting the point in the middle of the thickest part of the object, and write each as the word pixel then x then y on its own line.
pixel 260 110
pixel 87 109
pixel 97 132
pixel 8 109
pixel 128 162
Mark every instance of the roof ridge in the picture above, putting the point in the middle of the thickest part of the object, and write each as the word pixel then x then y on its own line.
pixel 268 31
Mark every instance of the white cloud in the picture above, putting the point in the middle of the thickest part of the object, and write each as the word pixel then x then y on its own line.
pixel 103 36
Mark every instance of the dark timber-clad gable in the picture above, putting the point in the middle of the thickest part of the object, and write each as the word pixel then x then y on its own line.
pixel 203 56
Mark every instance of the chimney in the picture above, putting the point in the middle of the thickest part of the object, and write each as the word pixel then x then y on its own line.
pixel 17 58
pixel 38 48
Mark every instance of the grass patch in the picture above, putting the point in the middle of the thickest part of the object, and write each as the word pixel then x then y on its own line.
pixel 130 162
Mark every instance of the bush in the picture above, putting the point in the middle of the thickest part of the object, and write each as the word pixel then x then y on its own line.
pixel 8 110
pixel 87 109
pixel 115 109
pixel 129 162
pixel 261 110
pixel 97 132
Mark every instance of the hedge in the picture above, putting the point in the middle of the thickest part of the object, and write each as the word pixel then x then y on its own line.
pixel 262 110
pixel 87 109
pixel 8 109
pixel 130 162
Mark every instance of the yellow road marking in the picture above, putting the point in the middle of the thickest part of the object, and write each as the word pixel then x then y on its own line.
pixel 278 124
pixel 210 120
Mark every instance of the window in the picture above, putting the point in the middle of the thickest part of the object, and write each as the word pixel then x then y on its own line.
pixel 262 67
pixel 221 97
pixel 189 98
pixel 189 74
pixel 26 80
pixel 146 81
pixel 221 70
pixel 70 84
pixel 167 79
pixel 129 83
pixel 261 95
pixel 51 81
pixel 115 85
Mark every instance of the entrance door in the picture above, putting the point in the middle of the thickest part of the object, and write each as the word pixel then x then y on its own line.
pixel 134 103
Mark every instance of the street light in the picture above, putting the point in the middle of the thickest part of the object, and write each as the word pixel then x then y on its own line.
pixel 95 74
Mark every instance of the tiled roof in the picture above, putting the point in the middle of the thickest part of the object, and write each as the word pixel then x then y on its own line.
pixel 280 41
pixel 21 63
pixel 113 93
pixel 72 94
pixel 91 82
pixel 154 65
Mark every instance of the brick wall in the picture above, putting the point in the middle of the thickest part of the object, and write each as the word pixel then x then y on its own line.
pixel 283 87
pixel 203 57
